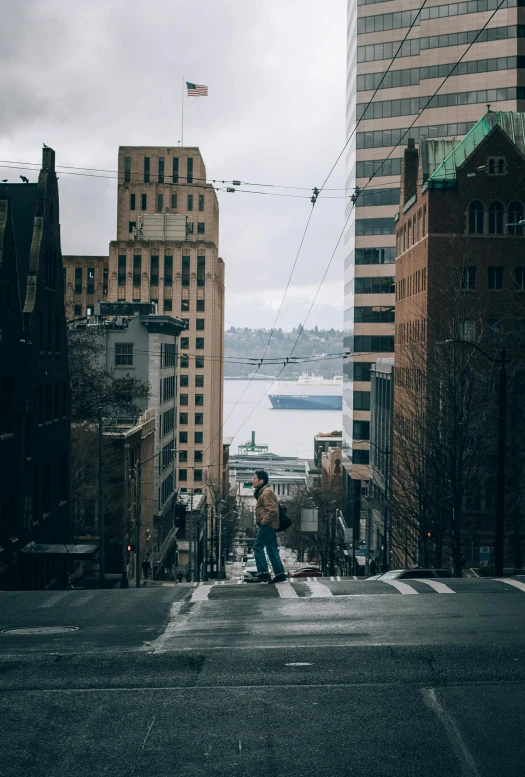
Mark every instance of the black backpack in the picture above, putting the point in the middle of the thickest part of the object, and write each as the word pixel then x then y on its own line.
pixel 284 521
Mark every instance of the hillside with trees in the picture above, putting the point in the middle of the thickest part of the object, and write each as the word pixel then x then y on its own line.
pixel 243 343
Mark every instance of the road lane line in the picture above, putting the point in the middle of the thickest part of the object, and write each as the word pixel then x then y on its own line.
pixel 54 599
pixel 403 588
pixel 286 590
pixel 201 593
pixel 83 600
pixel 240 582
pixel 468 765
pixel 318 590
pixel 441 588
pixel 515 583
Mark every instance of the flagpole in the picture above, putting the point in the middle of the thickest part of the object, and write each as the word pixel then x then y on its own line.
pixel 182 113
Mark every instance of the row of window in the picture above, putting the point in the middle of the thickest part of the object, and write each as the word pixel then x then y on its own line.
pixel 198 438
pixel 197 475
pixel 384 226
pixel 160 170
pixel 168 355
pixel 469 329
pixel 154 270
pixel 375 255
pixel 168 421
pixel 49 333
pixel 376 197
pixel 399 19
pixel 393 137
pixel 374 285
pixel 378 167
pixel 185 361
pixel 197 456
pixel 415 283
pixel 185 343
pixel 412 76
pixel 167 388
pixel 410 48
pixel 494 222
pixel 495 278
pixel 412 105
pixel 412 231
pixel 184 399
pixel 184 381
pixel 198 419
pixel 160 202
pixel 373 343
pixel 374 315
pixel 411 331
pixel 166 489
pixel 201 226
pixel 199 323
pixel 167 456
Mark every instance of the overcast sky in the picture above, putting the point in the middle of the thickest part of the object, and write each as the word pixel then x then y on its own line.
pixel 85 76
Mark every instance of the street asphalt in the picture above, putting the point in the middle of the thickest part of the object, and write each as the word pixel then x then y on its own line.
pixel 320 677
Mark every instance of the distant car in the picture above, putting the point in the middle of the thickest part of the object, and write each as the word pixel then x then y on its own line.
pixel 305 572
pixel 412 574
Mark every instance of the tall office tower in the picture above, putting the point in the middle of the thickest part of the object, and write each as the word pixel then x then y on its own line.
pixel 166 252
pixel 489 73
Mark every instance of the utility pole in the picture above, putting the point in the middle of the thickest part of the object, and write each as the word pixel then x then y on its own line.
pixel 499 539
pixel 101 528
pixel 332 543
pixel 137 524
pixel 385 565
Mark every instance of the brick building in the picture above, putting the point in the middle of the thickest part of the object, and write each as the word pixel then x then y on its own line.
pixel 85 284
pixel 460 278
pixel 34 378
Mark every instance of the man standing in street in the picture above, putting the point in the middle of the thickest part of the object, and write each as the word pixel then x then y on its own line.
pixel 267 520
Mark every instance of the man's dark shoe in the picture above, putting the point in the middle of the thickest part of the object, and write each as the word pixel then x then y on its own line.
pixel 278 579
pixel 264 577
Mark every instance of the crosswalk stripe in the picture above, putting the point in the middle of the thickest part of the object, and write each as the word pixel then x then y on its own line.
pixel 318 590
pixel 286 590
pixel 515 583
pixel 83 600
pixel 332 579
pixel 201 593
pixel 338 578
pixel 54 599
pixel 403 588
pixel 441 588
pixel 223 582
pixel 240 582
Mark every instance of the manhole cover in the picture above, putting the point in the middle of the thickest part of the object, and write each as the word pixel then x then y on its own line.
pixel 30 630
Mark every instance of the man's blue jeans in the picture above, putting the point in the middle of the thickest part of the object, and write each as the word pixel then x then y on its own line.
pixel 267 538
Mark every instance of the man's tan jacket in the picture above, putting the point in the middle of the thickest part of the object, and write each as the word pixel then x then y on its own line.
pixel 267 508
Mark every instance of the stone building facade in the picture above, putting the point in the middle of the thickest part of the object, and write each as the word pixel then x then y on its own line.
pixel 85 283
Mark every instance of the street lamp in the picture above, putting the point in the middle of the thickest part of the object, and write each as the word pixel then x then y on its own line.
pixel 499 537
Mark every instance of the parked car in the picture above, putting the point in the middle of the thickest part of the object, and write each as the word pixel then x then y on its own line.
pixel 412 574
pixel 305 572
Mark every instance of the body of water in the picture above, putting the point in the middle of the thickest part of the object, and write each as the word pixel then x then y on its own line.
pixel 286 432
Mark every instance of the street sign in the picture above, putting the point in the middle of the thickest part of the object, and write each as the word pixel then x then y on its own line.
pixel 484 556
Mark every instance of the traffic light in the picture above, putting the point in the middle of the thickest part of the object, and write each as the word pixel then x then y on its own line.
pixel 429 534
pixel 131 548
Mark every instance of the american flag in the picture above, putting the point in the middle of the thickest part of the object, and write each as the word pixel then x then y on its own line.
pixel 196 90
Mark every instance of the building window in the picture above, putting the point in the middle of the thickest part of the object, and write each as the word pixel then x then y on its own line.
pixel 183 381
pixel 360 457
pixel 183 457
pixel 189 177
pixel 374 343
pixel 160 203
pixel 374 315
pixel 375 255
pixel 199 324
pixel 467 330
pixel 183 437
pixel 200 227
pixel 361 430
pixel 78 310
pixel 105 281
pixel 495 218
pixel 131 226
pixel 123 354
pixel 127 169
pixel 174 201
pixel 468 278
pixel 190 201
pixel 175 175
pixel 154 271
pixel 146 169
pixel 476 213
pixel 199 400
pixel 201 202
pixel 199 381
pixel 184 343
pixel 201 270
pixel 184 361
pixel 199 419
pixel 199 362
pixel 183 475
pixel 143 201
pixel 183 399
pixel 89 310
pixel 198 437
pixel 161 169
pixel 168 270
pixel 495 278
pixel 137 268
pixel 183 419
pixel 520 330
pixel 375 285
pixel 515 216
pixel 185 270
pixel 379 226
pixel 167 305
pixel 91 280
pixel 494 330
pixel 362 371
pixel 122 270
pixel 200 306
pixel 197 456
pixel 496 165
pixel 197 475
pixel 361 400
pixel 519 277
pixel 78 280
pixel 199 343
pixel 185 305
pixel 186 322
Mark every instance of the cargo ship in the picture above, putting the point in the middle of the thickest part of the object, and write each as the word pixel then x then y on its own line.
pixel 320 394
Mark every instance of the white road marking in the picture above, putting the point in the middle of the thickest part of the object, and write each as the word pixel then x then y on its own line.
pixel 54 599
pixel 240 582
pixel 201 593
pixel 338 578
pixel 286 590
pixel 332 579
pixel 318 590
pixel 441 588
pixel 157 645
pixel 468 765
pixel 83 600
pixel 403 588
pixel 515 583
pixel 168 585
pixel 299 663
pixel 223 582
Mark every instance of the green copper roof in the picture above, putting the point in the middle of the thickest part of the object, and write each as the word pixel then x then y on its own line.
pixel 512 123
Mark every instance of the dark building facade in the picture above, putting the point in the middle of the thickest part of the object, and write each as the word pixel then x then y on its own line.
pixel 35 415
